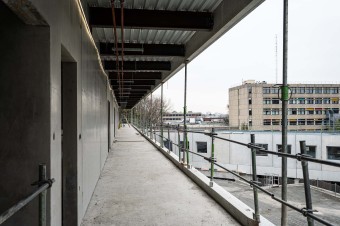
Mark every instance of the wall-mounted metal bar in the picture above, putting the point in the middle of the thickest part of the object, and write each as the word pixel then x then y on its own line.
pixel 43 184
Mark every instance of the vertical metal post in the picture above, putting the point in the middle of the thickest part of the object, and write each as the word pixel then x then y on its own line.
pixel 169 143
pixel 151 108
pixel 162 142
pixel 253 163
pixel 306 183
pixel 185 138
pixel 42 196
pixel 212 158
pixel 179 146
pixel 284 99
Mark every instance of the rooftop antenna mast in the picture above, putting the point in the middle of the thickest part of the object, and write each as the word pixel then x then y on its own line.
pixel 276 74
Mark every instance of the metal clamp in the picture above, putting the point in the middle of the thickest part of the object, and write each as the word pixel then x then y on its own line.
pixel 299 156
pixel 210 159
pixel 306 211
pixel 42 182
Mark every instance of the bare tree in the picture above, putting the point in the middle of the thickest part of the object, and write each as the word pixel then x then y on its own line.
pixel 149 109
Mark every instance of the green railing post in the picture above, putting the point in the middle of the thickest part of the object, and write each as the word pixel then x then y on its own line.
pixel 212 158
pixel 253 161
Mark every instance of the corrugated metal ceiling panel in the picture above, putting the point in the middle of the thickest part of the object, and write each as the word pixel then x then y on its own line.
pixel 174 5
pixel 143 36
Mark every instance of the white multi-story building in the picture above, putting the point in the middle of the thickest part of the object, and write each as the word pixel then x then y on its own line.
pixel 257 106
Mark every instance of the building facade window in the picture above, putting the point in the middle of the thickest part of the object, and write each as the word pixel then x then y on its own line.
pixel 310 101
pixel 293 101
pixel 168 144
pixel 292 111
pixel 275 101
pixel 274 90
pixel 301 122
pixel 292 122
pixel 326 90
pixel 301 101
pixel 201 147
pixel 266 111
pixel 275 111
pixel 309 90
pixel 301 111
pixel 310 122
pixel 318 101
pixel 267 101
pixel 181 144
pixel 326 100
pixel 311 150
pixel 333 152
pixel 266 122
pixel 318 90
pixel 259 153
pixel 266 90
pixel 289 148
pixel 301 90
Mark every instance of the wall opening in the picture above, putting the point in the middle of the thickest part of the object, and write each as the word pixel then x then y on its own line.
pixel 69 139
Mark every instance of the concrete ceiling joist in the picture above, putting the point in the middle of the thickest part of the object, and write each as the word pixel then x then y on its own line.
pixel 134 49
pixel 139 65
pixel 137 75
pixel 152 19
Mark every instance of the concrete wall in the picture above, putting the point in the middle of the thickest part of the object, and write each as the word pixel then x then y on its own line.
pixel 238 158
pixel 24 111
pixel 30 70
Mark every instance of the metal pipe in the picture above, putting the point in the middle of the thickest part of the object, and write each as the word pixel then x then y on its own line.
pixel 212 156
pixel 284 99
pixel 151 108
pixel 306 183
pixel 162 142
pixel 169 143
pixel 42 196
pixel 43 186
pixel 185 134
pixel 253 161
pixel 179 142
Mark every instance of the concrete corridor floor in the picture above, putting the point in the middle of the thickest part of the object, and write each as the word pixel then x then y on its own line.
pixel 140 186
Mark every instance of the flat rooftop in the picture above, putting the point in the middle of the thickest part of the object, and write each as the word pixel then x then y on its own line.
pixel 140 186
pixel 327 205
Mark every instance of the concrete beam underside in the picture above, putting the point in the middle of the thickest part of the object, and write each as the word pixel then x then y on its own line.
pixel 138 186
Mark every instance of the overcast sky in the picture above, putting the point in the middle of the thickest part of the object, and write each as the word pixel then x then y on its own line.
pixel 247 51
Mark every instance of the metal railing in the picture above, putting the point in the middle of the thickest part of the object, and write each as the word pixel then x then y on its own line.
pixel 43 184
pixel 302 157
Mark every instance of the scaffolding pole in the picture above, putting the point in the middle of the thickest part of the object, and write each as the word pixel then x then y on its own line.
pixel 185 137
pixel 284 99
pixel 162 143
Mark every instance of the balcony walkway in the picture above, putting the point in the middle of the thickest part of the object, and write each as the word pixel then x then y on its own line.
pixel 139 186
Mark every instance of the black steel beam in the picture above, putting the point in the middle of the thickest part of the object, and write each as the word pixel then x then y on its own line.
pixel 148 88
pixel 139 65
pixel 137 75
pixel 134 49
pixel 135 83
pixel 152 19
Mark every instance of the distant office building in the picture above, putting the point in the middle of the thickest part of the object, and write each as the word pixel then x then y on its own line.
pixel 178 117
pixel 257 106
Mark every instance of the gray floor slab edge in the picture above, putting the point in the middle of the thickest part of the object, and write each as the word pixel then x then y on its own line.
pixel 240 211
